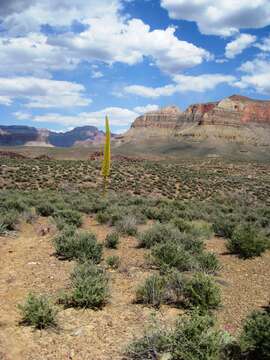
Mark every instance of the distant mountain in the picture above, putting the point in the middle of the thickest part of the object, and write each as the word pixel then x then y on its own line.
pixel 235 119
pixel 30 136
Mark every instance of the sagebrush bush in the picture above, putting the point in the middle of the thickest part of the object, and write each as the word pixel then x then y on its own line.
pixel 83 246
pixel 45 209
pixel 70 217
pixel 201 229
pixel 171 255
pixel 224 226
pixel 248 241
pixel 152 291
pixel 208 262
pixel 174 287
pixel 158 233
pixel 9 219
pixel 202 292
pixel 194 337
pixel 151 346
pixel 191 243
pixel 113 261
pixel 112 240
pixel 181 224
pixel 3 229
pixel 89 287
pixel 38 312
pixel 127 225
pixel 255 338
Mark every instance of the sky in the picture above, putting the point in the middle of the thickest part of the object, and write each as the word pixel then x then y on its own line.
pixel 68 63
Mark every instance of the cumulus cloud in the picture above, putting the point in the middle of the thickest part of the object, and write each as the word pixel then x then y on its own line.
pixel 256 76
pixel 264 45
pixel 42 93
pixel 145 109
pixel 183 83
pixel 107 36
pixel 238 45
pixel 111 39
pixel 33 55
pixel 23 16
pixel 150 92
pixel 96 74
pixel 223 17
pixel 120 117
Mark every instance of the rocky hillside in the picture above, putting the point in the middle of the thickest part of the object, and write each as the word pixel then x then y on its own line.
pixel 236 118
pixel 30 136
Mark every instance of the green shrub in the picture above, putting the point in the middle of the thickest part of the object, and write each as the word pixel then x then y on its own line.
pixel 172 255
pixel 127 225
pixel 70 217
pixel 181 224
pixel 9 219
pixel 201 229
pixel 248 241
pixel 89 287
pixel 45 209
pixel 113 261
pixel 224 226
pixel 202 292
pixel 150 346
pixel 112 240
pixel 191 243
pixel 158 233
pixel 15 204
pixel 152 291
pixel 175 283
pixel 255 338
pixel 81 246
pixel 207 262
pixel 194 338
pixel 38 312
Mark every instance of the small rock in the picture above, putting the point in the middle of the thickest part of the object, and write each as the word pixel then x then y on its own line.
pixel 78 332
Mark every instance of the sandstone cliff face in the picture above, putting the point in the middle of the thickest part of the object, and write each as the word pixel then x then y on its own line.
pixel 233 111
pixel 236 118
pixel 165 118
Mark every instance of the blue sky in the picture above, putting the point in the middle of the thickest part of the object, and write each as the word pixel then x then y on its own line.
pixel 69 63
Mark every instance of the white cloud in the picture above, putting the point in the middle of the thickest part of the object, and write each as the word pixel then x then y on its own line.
pixel 222 17
pixel 108 36
pixel 5 100
pixel 112 39
pixel 43 93
pixel 33 55
pixel 257 76
pixel 183 83
pixel 150 92
pixel 96 74
pixel 145 109
pixel 118 117
pixel 264 45
pixel 238 45
pixel 23 16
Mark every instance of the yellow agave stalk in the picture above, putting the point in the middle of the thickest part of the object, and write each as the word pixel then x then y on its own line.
pixel 106 166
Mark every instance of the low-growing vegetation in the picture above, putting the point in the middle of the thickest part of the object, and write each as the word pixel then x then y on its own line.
pixel 89 287
pixel 38 312
pixel 71 244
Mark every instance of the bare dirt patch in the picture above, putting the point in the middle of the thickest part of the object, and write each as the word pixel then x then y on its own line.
pixel 244 285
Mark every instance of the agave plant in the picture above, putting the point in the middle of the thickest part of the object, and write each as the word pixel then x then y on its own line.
pixel 106 166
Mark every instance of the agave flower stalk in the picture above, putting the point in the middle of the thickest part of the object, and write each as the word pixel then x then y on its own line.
pixel 106 166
